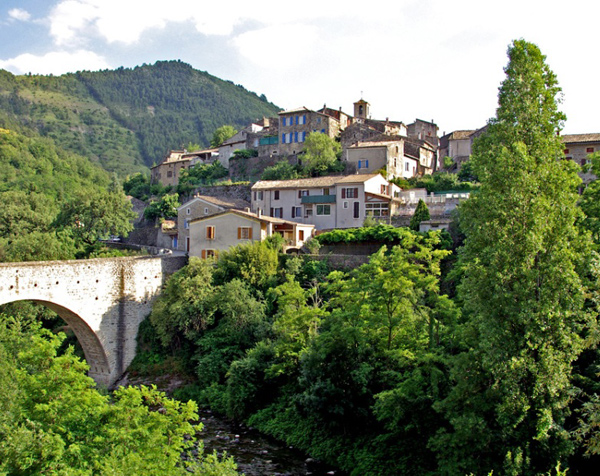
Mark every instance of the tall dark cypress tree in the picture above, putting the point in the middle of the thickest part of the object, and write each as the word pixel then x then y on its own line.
pixel 523 297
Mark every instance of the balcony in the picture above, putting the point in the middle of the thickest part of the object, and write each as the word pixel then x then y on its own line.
pixel 318 199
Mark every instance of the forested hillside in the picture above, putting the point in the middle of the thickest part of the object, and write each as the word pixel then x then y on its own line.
pixel 55 204
pixel 127 119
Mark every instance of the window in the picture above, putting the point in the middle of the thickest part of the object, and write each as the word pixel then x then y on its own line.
pixel 169 174
pixel 350 192
pixel 276 195
pixel 326 191
pixel 406 167
pixel 186 223
pixel 206 210
pixel 323 210
pixel 210 253
pixel 283 138
pixel 377 209
pixel 589 150
pixel 308 212
pixel 244 233
pixel 210 232
pixel 277 212
pixel 566 151
pixel 188 211
pixel 296 212
pixel 300 235
pixel 356 209
pixel 345 204
pixel 303 193
pixel 363 164
pixel 283 121
pixel 258 195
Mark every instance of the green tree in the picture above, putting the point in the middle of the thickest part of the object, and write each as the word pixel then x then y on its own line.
pixel 521 290
pixel 590 201
pixel 254 263
pixel 221 134
pixel 282 170
pixel 185 307
pixel 166 207
pixel 95 214
pixel 321 153
pixel 421 214
pixel 54 421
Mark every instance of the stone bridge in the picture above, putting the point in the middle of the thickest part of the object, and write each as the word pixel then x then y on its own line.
pixel 103 300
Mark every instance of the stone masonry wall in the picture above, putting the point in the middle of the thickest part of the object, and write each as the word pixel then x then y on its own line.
pixel 102 300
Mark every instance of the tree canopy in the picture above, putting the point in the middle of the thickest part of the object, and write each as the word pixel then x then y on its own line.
pixel 522 293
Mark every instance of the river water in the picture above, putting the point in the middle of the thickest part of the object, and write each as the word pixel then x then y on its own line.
pixel 256 454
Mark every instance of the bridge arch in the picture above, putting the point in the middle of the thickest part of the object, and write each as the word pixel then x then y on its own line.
pixel 95 355
pixel 103 300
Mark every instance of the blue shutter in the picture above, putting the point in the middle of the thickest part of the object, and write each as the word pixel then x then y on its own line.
pixel 295 137
pixel 367 164
pixel 283 138
pixel 359 164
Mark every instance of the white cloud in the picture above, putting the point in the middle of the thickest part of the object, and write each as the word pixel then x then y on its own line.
pixel 19 14
pixel 278 46
pixel 58 62
pixel 126 20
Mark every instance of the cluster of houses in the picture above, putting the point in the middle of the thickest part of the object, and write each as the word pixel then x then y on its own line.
pixel 297 209
pixel 368 145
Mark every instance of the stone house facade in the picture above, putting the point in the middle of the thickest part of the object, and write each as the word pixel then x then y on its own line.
pixel 197 207
pixel 168 171
pixel 215 233
pixel 327 202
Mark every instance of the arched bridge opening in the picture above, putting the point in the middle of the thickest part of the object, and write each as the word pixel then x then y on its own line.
pixel 102 300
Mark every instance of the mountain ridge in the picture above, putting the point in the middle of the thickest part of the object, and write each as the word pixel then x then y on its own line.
pixel 126 119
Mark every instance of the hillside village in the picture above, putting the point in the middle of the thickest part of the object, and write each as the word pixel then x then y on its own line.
pixel 373 153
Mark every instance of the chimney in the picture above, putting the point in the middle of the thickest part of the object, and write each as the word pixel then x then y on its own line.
pixel 259 213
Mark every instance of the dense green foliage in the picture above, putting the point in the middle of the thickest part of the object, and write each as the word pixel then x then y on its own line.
pixel 321 155
pixel 127 119
pixel 421 214
pixel 282 170
pixel 322 372
pixel 165 207
pixel 522 288
pixel 381 233
pixel 55 205
pixel 439 182
pixel 54 421
pixel 221 134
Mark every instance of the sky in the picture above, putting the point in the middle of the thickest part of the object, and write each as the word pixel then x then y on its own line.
pixel 439 60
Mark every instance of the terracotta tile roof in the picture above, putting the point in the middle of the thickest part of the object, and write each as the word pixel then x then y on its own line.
pixel 357 178
pixel 573 138
pixel 458 135
pixel 224 202
pixel 253 216
pixel 327 181
pixel 298 109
